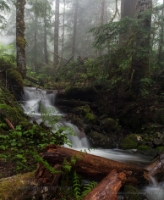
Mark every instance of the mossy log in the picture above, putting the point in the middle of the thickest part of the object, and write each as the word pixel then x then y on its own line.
pixel 30 78
pixel 108 187
pixel 20 186
pixel 91 166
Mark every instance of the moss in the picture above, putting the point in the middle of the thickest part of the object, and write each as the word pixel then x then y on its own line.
pixel 110 124
pixel 90 118
pixel 14 114
pixel 129 142
pixel 21 42
pixel 132 193
pixel 83 110
pixel 143 147
pixel 160 149
pixel 16 187
pixel 15 76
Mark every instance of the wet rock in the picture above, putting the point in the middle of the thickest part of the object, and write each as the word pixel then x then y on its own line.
pixel 157 142
pixel 99 140
pixel 147 151
pixel 132 193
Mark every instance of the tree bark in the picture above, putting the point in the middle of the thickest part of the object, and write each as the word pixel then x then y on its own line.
pixel 108 187
pixel 63 34
pixel 20 39
pixel 35 55
pixel 128 8
pixel 140 60
pixel 45 41
pixel 75 27
pixel 91 166
pixel 56 34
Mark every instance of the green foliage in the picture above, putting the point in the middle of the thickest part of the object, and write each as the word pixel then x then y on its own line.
pixel 77 185
pixel 21 142
pixel 79 190
pixel 7 55
pixel 88 187
pixel 45 164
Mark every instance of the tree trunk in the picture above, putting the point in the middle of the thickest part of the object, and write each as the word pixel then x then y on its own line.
pixel 75 27
pixel 45 41
pixel 35 55
pixel 102 20
pixel 108 187
pixel 91 166
pixel 160 47
pixel 56 35
pixel 20 39
pixel 63 34
pixel 128 9
pixel 102 12
pixel 140 61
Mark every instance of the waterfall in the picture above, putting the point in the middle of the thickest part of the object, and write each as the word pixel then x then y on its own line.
pixel 35 104
pixel 39 105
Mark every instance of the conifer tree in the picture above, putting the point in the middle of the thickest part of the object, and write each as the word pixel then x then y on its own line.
pixel 20 37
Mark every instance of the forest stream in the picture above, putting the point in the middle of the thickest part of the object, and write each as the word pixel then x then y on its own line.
pixel 39 105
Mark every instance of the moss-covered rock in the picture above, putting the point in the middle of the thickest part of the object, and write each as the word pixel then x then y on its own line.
pixel 147 151
pixel 132 193
pixel 110 124
pixel 129 142
pixel 16 77
pixel 99 140
pixel 90 118
pixel 143 147
pixel 160 149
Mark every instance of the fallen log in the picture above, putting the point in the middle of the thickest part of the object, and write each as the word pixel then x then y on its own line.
pixel 108 187
pixel 9 123
pixel 156 168
pixel 91 166
pixel 32 79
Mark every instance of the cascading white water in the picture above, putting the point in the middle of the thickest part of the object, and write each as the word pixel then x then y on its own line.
pixel 155 191
pixel 35 104
pixel 39 105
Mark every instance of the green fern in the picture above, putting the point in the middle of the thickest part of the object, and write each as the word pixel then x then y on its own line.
pixel 88 187
pixel 77 186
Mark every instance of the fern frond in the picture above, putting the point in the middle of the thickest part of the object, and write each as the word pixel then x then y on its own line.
pixel 88 187
pixel 77 185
